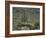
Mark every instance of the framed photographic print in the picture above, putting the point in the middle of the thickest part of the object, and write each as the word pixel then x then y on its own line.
pixel 24 18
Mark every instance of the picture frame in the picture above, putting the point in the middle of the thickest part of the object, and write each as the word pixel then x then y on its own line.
pixel 15 8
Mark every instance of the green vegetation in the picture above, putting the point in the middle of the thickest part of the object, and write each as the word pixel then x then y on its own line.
pixel 28 27
pixel 26 18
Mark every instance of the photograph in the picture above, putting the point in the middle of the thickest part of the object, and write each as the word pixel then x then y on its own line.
pixel 26 18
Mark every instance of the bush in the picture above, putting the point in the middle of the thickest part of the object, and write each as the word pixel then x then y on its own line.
pixel 37 26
